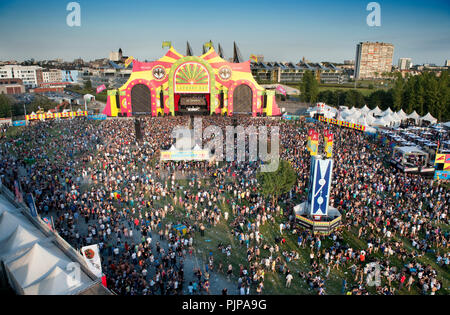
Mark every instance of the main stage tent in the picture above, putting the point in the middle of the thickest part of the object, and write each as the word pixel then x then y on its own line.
pixel 178 84
pixel 36 260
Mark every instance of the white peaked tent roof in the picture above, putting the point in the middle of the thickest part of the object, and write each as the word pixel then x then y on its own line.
pixel 9 222
pixel 414 115
pixel 446 124
pixel 387 112
pixel 369 118
pixel 402 114
pixel 365 109
pixel 395 117
pixel 20 238
pixel 35 264
pixel 356 116
pixel 376 111
pixel 388 118
pixel 429 118
pixel 55 283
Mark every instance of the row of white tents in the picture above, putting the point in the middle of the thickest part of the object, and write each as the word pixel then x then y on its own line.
pixel 370 117
pixel 33 258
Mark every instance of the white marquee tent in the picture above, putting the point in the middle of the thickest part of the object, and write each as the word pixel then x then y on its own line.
pixel 429 118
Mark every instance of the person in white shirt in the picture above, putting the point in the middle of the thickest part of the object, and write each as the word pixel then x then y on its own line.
pixel 289 278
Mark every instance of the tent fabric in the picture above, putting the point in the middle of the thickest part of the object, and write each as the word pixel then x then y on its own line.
pixel 25 269
pixel 55 283
pixel 365 109
pixel 18 239
pixel 9 222
pixel 380 122
pixel 402 114
pixel 34 261
pixel 413 115
pixel 387 112
pixel 376 111
pixel 429 118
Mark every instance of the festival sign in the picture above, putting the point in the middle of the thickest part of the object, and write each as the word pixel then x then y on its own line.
pixel 196 155
pixel 192 77
pixel 442 166
pixel 92 257
pixel 100 88
pixel 19 123
pixel 342 123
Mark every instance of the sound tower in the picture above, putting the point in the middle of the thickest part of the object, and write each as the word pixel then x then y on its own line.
pixel 138 129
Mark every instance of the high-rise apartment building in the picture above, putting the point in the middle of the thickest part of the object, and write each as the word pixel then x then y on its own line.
pixel 373 59
pixel 404 63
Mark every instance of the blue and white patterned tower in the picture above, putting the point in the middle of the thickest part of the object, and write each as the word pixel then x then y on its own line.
pixel 319 186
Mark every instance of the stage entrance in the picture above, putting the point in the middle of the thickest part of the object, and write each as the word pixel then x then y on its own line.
pixel 242 100
pixel 192 104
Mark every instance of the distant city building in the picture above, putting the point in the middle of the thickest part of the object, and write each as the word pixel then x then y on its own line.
pixel 289 72
pixel 51 76
pixel 447 63
pixel 373 58
pixel 30 75
pixel 404 64
pixel 116 56
pixel 11 86
pixel 349 62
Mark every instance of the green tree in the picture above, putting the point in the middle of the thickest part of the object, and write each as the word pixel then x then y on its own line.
pixel 88 84
pixel 309 87
pixel 275 184
pixel 5 106
pixel 397 92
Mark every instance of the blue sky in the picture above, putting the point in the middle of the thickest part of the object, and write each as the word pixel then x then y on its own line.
pixel 285 30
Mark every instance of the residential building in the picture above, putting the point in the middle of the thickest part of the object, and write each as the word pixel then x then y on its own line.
pixel 289 72
pixel 31 76
pixel 447 63
pixel 11 86
pixel 51 76
pixel 116 56
pixel 373 59
pixel 404 64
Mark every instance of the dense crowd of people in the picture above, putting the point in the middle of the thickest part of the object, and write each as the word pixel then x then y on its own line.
pixel 103 187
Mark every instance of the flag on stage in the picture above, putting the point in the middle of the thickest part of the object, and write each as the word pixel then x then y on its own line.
pixel 329 144
pixel 128 61
pixel 166 44
pixel 308 144
pixel 208 45
pixel 314 143
pixel 254 58
pixel 101 88
pixel 281 90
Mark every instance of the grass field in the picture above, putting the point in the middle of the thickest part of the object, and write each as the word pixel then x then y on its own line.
pixel 274 282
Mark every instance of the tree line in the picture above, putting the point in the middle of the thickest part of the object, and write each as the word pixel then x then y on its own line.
pixel 427 92
pixel 10 108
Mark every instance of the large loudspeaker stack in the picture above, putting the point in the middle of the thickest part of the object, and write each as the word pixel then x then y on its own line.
pixel 138 129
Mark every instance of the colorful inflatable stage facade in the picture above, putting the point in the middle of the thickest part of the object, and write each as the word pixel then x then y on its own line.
pixel 177 84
